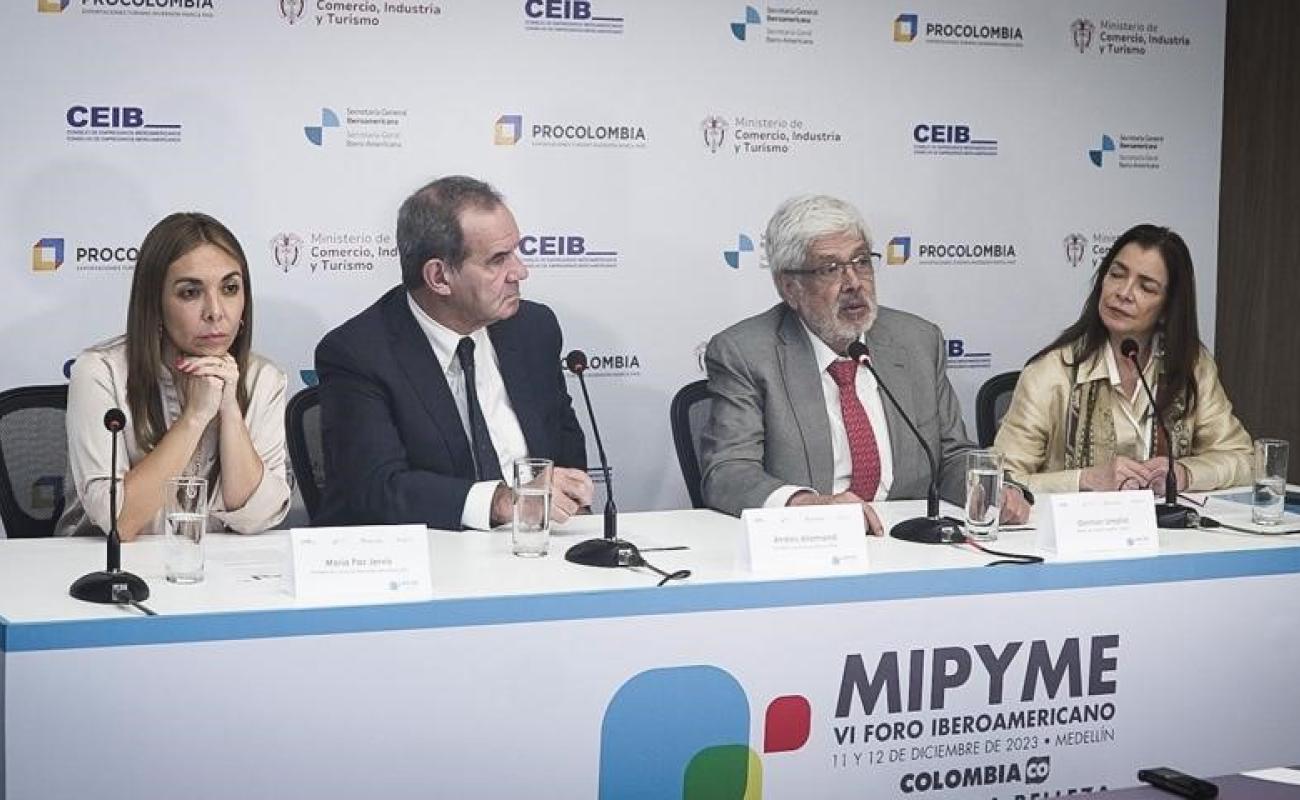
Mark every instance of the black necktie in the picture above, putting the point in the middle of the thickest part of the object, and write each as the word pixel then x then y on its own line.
pixel 486 465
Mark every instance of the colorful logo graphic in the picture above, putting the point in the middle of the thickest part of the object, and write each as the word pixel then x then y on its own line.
pixel 1081 31
pixel 308 377
pixel 509 129
pixel 291 11
pixel 905 27
pixel 715 132
pixel 316 133
pixel 1075 246
pixel 741 29
pixel 684 732
pixel 51 6
pixel 744 244
pixel 1107 146
pixel 47 254
pixel 898 251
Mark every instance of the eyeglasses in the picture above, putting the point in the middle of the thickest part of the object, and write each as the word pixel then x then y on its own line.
pixel 863 266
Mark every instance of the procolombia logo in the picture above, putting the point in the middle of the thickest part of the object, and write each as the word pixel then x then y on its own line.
pixel 909 27
pixel 512 129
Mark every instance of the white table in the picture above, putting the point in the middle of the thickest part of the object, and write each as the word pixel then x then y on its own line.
pixel 539 678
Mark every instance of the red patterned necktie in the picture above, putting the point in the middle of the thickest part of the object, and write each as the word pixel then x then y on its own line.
pixel 862 439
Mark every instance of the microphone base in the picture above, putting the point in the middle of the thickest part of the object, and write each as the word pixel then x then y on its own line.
pixel 98 587
pixel 1174 516
pixel 930 530
pixel 603 553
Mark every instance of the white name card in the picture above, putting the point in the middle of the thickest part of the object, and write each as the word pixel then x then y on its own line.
pixel 380 563
pixel 1086 524
pixel 805 540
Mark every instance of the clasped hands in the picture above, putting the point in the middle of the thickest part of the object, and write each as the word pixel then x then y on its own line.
pixel 571 492
pixel 1127 473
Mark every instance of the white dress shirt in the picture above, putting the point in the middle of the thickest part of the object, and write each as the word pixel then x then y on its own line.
pixel 869 395
pixel 1132 415
pixel 498 414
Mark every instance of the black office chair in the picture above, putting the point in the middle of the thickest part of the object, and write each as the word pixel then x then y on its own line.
pixel 687 414
pixel 302 423
pixel 991 405
pixel 33 459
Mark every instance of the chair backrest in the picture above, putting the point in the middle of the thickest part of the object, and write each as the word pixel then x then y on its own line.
pixel 306 454
pixel 687 414
pixel 33 459
pixel 991 405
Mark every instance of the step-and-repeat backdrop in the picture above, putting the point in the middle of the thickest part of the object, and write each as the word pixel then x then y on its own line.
pixel 996 148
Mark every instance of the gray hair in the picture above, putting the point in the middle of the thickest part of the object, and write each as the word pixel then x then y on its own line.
pixel 801 220
pixel 428 223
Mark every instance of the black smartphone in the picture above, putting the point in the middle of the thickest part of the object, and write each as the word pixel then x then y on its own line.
pixel 1180 783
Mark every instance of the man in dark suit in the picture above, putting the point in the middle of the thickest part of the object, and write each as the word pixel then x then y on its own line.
pixel 795 422
pixel 429 395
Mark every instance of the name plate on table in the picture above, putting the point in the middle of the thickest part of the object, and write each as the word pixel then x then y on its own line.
pixel 1086 524
pixel 383 563
pixel 805 540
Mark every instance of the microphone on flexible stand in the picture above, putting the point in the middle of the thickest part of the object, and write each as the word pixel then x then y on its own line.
pixel 609 551
pixel 1168 514
pixel 932 528
pixel 112 585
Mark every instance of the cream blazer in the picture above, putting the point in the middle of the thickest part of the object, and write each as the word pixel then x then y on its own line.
pixel 1031 437
pixel 99 383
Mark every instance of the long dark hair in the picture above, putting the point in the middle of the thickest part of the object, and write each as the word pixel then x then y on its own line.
pixel 169 240
pixel 1182 337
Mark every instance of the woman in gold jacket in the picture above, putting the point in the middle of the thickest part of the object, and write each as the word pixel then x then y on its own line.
pixel 1079 419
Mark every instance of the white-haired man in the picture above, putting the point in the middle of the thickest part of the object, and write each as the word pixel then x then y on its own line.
pixel 794 422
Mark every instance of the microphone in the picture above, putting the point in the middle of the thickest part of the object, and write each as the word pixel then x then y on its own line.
pixel 609 551
pixel 932 528
pixel 112 585
pixel 603 552
pixel 1168 514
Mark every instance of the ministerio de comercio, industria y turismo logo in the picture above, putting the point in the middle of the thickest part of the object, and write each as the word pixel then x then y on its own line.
pixel 354 13
pixel 334 253
pixel 1125 38
pixel 754 135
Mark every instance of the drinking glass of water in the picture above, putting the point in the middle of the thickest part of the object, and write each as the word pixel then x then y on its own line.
pixel 186 509
pixel 531 532
pixel 983 494
pixel 1270 481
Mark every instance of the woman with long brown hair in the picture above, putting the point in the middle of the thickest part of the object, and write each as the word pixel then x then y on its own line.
pixel 198 401
pixel 1079 419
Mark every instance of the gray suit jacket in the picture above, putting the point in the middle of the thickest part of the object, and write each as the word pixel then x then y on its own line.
pixel 768 425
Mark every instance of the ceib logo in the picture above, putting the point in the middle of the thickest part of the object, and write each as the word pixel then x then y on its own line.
pixel 905 28
pixel 509 129
pixel 898 251
pixel 684 732
pixel 51 6
pixel 47 254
